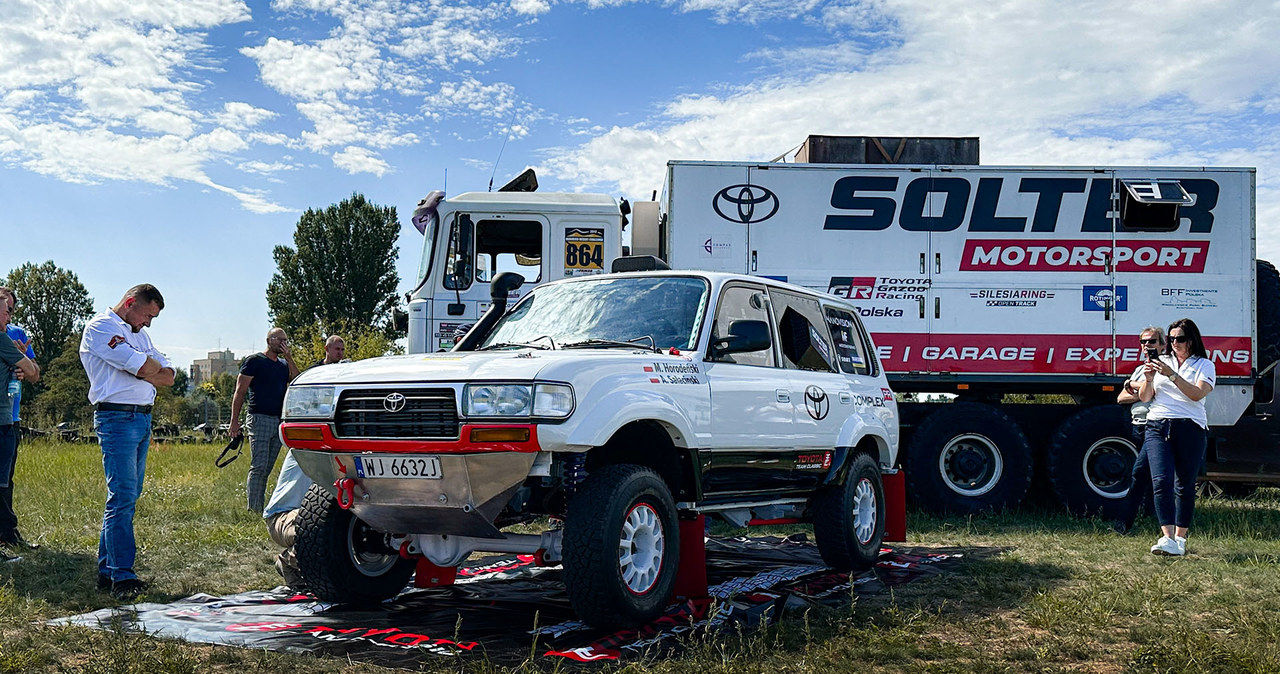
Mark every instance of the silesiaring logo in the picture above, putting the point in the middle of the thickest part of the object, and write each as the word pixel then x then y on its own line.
pixel 745 203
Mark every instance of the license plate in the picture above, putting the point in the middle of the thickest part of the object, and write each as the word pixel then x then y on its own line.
pixel 414 467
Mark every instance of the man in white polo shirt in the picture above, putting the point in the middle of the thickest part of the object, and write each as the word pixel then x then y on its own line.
pixel 124 370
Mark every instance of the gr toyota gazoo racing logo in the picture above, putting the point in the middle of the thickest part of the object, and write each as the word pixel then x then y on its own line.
pixel 852 287
pixel 745 204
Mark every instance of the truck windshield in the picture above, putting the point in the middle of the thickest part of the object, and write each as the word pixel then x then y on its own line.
pixel 668 309
pixel 428 249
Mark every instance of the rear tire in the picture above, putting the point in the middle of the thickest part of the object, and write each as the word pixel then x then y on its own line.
pixel 341 558
pixel 968 457
pixel 621 547
pixel 848 519
pixel 1091 459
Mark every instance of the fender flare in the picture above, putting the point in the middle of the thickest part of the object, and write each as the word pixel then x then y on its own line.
pixel 618 409
pixel 855 431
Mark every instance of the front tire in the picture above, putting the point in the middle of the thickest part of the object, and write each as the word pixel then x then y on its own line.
pixel 342 559
pixel 621 547
pixel 848 519
pixel 967 457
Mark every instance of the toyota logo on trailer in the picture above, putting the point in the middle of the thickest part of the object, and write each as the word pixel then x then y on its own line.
pixel 394 402
pixel 746 203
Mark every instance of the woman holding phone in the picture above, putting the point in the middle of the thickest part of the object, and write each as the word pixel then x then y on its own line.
pixel 1177 430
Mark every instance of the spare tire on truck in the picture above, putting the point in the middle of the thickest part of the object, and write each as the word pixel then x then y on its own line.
pixel 1268 314
pixel 967 457
pixel 1091 459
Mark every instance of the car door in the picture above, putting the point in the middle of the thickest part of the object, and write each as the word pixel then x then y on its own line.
pixel 822 397
pixel 752 406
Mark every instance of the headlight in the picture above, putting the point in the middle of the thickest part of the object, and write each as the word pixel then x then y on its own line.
pixel 552 400
pixel 309 402
pixel 497 400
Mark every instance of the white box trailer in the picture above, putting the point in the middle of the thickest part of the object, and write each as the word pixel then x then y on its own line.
pixel 984 282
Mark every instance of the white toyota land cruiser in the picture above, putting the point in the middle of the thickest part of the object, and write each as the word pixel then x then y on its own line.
pixel 612 404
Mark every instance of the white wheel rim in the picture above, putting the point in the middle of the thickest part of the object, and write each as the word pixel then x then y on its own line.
pixel 971 464
pixel 1105 485
pixel 371 564
pixel 864 511
pixel 640 548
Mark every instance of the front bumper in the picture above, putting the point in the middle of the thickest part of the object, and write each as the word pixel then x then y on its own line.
pixel 478 479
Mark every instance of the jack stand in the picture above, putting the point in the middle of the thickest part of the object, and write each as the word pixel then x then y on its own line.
pixel 691 574
pixel 430 575
pixel 895 501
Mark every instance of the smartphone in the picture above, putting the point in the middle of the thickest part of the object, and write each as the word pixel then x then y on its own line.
pixel 1152 355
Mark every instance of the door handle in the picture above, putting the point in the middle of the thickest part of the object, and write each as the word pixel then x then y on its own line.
pixel 783 395
pixel 921 298
pixel 937 307
pixel 922 263
pixel 937 263
pixel 845 398
pixel 753 260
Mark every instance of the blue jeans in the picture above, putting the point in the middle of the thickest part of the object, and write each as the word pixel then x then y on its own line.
pixel 124 437
pixel 1175 449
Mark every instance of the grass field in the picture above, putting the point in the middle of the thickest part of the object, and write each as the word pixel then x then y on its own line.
pixel 1069 596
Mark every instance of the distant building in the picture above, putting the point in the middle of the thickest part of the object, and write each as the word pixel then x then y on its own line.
pixel 218 362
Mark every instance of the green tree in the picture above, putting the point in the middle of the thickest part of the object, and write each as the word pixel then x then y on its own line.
pixel 181 382
pixel 53 306
pixel 65 395
pixel 341 271
pixel 362 341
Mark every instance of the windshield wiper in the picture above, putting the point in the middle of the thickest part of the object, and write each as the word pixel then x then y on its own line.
pixel 528 345
pixel 604 343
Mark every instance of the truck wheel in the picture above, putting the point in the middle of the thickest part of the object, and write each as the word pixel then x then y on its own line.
pixel 968 457
pixel 1091 459
pixel 621 547
pixel 848 519
pixel 1268 304
pixel 341 558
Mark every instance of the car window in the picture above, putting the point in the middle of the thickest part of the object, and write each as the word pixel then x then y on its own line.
pixel 802 335
pixel 741 303
pixel 851 349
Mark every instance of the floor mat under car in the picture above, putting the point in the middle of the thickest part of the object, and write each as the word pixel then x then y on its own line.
pixel 507 609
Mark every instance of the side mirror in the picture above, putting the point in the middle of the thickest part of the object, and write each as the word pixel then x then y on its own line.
pixel 743 336
pixel 400 320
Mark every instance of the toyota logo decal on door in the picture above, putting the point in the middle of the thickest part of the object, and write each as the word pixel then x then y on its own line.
pixel 745 203
pixel 394 402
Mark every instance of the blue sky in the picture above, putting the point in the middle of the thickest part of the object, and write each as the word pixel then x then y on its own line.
pixel 177 141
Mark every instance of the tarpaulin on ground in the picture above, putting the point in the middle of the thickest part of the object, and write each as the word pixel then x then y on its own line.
pixel 507 609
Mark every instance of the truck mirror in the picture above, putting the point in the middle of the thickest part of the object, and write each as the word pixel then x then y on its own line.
pixel 743 336
pixel 400 320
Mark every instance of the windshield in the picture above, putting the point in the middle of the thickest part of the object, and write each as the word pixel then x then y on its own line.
pixel 428 249
pixel 668 309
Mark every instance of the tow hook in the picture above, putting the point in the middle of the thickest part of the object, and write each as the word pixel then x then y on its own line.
pixel 346 492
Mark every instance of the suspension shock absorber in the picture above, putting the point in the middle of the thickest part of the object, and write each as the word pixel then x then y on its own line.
pixel 573 470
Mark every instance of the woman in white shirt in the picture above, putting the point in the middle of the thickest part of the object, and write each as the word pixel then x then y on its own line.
pixel 1177 430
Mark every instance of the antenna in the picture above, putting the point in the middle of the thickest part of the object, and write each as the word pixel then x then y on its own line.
pixel 506 136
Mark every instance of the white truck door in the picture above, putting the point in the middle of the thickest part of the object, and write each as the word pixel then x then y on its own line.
pixel 1021 273
pixel 709 206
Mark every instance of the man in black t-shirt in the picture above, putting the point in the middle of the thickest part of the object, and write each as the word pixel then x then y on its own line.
pixel 263 378
pixel 335 351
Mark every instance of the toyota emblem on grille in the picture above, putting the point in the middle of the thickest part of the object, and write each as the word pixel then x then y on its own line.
pixel 393 402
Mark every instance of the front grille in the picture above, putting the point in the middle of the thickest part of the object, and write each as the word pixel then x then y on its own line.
pixel 427 413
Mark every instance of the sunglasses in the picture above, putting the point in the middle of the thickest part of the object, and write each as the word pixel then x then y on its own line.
pixel 1179 339
pixel 1149 341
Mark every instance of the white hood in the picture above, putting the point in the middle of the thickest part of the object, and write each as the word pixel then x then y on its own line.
pixel 430 367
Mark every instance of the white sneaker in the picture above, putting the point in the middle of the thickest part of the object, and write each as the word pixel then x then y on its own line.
pixel 1167 546
pixel 1182 544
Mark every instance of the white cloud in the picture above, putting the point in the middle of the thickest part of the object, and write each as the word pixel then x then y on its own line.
pixel 530 7
pixel 266 168
pixel 360 160
pixel 240 116
pixel 97 90
pixel 1089 83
